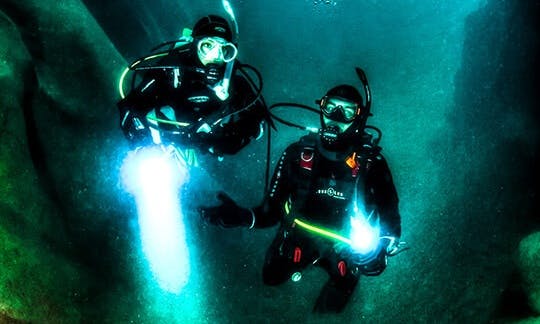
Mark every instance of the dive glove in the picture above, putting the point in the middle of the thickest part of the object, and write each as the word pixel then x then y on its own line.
pixel 134 129
pixel 393 245
pixel 228 213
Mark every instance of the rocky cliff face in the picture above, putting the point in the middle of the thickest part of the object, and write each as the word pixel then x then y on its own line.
pixel 57 77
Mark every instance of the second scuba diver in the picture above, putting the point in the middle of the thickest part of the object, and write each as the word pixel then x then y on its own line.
pixel 334 199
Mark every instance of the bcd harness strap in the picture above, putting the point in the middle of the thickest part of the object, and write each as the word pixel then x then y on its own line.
pixel 306 162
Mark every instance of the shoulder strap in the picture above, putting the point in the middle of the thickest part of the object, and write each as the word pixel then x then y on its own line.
pixel 307 153
pixel 306 163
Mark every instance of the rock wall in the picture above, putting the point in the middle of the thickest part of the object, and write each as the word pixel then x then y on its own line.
pixel 58 74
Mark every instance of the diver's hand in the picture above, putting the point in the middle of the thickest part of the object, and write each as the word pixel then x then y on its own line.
pixel 389 244
pixel 392 245
pixel 134 129
pixel 227 214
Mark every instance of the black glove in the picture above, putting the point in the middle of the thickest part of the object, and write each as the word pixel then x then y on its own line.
pixel 135 131
pixel 391 245
pixel 228 214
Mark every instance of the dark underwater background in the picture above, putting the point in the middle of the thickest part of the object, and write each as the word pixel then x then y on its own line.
pixel 454 86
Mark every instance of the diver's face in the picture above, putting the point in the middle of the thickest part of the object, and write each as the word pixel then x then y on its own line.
pixel 215 50
pixel 340 113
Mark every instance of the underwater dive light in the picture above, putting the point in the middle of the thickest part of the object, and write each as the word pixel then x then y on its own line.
pixel 364 236
pixel 154 176
pixel 364 231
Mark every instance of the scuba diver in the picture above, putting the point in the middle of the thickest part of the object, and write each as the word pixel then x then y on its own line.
pixel 194 94
pixel 334 199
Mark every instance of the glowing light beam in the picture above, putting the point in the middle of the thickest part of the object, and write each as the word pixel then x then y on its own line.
pixel 154 177
pixel 364 236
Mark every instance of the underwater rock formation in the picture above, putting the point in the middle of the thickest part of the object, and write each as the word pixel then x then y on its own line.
pixel 57 118
pixel 529 266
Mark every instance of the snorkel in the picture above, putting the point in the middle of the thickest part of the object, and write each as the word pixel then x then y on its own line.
pixel 227 6
pixel 362 76
pixel 222 88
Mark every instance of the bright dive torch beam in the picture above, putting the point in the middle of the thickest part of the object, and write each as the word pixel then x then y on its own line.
pixel 363 236
pixel 154 176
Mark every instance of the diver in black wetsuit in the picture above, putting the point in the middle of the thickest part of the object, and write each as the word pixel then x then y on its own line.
pixel 192 94
pixel 333 196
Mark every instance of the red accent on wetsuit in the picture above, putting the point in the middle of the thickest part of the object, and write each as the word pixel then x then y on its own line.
pixel 297 255
pixel 306 159
pixel 342 267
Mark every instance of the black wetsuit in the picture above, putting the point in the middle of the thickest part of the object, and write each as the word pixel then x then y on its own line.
pixel 321 192
pixel 187 90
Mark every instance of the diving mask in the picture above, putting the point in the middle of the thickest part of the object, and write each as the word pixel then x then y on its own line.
pixel 216 50
pixel 339 110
